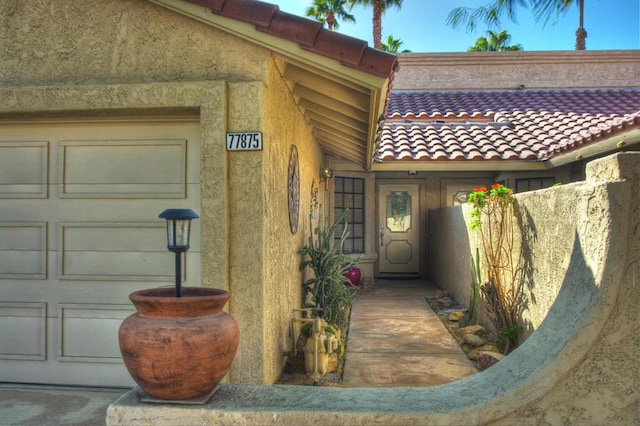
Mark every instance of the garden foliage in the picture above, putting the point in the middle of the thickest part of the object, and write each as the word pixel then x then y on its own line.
pixel 494 216
pixel 328 289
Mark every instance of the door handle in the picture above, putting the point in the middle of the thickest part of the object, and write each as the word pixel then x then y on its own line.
pixel 381 235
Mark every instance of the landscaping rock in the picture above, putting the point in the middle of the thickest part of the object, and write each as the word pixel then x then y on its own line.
pixel 487 359
pixel 473 354
pixel 448 311
pixel 444 301
pixel 472 329
pixel 473 340
pixel 456 316
pixel 441 293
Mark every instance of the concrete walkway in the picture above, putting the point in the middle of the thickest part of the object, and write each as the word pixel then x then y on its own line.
pixel 395 339
pixel 55 405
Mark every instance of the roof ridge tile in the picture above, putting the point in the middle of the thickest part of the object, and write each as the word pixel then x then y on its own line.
pixel 310 35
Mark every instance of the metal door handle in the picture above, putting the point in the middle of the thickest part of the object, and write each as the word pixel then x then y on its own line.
pixel 381 238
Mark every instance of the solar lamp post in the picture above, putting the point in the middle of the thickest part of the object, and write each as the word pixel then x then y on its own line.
pixel 178 234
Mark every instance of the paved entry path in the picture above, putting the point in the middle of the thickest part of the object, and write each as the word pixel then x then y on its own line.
pixel 395 339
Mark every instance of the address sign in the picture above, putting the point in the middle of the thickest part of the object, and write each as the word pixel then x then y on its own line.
pixel 246 141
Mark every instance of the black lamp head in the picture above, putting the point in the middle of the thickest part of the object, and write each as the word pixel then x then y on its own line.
pixel 178 228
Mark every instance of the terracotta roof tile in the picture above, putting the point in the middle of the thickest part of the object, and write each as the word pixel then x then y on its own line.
pixel 310 35
pixel 504 125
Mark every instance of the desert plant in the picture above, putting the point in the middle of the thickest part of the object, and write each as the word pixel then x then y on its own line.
pixel 506 336
pixel 328 289
pixel 474 295
pixel 495 219
pixel 471 318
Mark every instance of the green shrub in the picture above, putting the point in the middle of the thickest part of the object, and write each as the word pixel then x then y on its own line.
pixel 329 290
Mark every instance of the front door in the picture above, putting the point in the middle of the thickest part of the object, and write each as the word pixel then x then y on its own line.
pixel 399 229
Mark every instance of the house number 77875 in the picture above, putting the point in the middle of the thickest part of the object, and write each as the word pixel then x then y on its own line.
pixel 247 141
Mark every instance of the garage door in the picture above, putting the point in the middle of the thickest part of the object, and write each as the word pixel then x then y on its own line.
pixel 79 231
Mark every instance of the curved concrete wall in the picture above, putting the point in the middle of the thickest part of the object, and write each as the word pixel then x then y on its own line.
pixel 579 366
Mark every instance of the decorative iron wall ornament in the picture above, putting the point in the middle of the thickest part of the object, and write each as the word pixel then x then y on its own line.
pixel 294 189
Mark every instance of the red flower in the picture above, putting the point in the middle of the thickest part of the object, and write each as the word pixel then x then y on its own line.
pixel 495 186
pixel 481 189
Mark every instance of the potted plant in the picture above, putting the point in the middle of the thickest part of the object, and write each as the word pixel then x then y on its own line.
pixel 329 289
pixel 180 343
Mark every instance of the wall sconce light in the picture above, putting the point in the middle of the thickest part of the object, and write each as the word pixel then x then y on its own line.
pixel 178 234
pixel 325 175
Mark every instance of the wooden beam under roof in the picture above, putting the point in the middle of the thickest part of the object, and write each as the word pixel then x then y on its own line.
pixel 327 115
pixel 339 128
pixel 333 115
pixel 333 105
pixel 347 96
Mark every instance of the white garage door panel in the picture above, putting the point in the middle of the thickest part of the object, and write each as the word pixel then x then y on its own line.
pixel 23 334
pixel 23 250
pixel 79 231
pixel 114 251
pixel 121 168
pixel 90 332
pixel 24 169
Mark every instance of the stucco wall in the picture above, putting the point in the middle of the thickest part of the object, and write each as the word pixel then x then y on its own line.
pixel 246 233
pixel 550 218
pixel 120 57
pixel 116 41
pixel 284 126
pixel 531 70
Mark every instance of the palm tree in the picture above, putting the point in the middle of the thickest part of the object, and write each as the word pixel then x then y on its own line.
pixel 379 8
pixel 495 42
pixel 392 45
pixel 329 11
pixel 547 8
pixel 491 14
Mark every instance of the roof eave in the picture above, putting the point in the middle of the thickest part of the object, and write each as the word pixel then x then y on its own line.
pixel 618 142
pixel 458 166
pixel 373 84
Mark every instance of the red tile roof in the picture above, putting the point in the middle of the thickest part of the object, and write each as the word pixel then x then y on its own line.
pixel 310 35
pixel 502 125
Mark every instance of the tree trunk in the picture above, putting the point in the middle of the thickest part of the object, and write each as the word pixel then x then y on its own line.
pixel 581 33
pixel 377 24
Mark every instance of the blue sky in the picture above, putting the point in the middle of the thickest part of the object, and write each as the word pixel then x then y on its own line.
pixel 421 25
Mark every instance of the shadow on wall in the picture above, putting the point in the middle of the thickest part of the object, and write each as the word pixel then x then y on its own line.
pixel 529 235
pixel 449 247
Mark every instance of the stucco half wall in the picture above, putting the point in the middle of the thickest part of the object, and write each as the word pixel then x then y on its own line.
pixel 578 367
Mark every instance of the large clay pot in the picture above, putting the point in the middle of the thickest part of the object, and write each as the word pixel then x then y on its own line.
pixel 178 347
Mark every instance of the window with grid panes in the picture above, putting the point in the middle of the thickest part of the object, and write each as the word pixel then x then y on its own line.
pixel 349 194
pixel 531 184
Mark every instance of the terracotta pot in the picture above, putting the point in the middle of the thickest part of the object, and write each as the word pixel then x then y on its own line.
pixel 178 347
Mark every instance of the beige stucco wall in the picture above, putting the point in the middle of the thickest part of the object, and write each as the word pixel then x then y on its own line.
pixel 116 41
pixel 530 70
pixel 120 57
pixel 550 220
pixel 265 277
pixel 284 126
